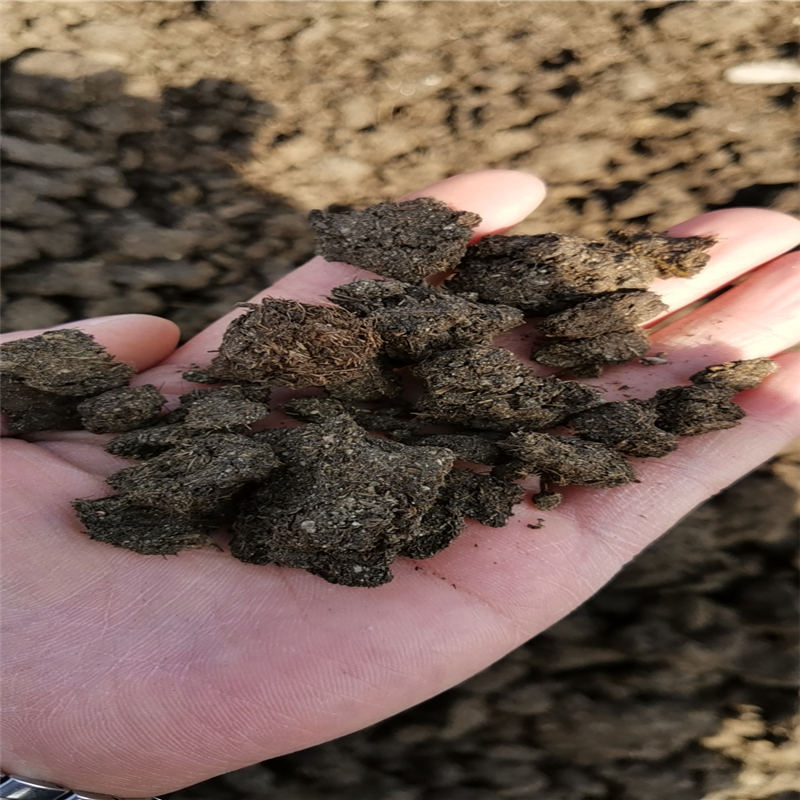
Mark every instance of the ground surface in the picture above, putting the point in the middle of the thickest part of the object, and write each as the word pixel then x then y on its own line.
pixel 180 198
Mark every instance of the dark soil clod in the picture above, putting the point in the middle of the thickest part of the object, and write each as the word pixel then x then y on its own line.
pixel 292 344
pixel 416 321
pixel 332 497
pixel 477 448
pixel 608 313
pixel 692 410
pixel 547 500
pixel 706 405
pixel 735 376
pixel 321 409
pixel 550 272
pixel 587 357
pixel 674 257
pixel 407 241
pixel 45 378
pixel 64 362
pixel 122 409
pixel 143 529
pixel 567 460
pixel 342 505
pixel 196 476
pixel 487 388
pixel 629 427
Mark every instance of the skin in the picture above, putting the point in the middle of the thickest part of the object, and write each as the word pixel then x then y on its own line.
pixel 136 675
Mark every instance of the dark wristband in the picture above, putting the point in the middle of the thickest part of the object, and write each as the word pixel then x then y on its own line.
pixel 15 787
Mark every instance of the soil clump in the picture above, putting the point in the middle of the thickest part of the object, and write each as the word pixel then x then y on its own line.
pixel 408 241
pixel 335 498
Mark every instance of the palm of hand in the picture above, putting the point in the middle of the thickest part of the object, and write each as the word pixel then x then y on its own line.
pixel 133 675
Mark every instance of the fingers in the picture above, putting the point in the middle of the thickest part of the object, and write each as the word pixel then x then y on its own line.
pixel 758 317
pixel 501 197
pixel 137 339
pixel 747 237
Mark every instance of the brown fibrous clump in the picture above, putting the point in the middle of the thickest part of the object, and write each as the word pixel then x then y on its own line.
pixel 365 479
pixel 298 345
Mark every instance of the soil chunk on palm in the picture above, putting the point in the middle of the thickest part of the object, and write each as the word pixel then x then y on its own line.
pixel 547 273
pixel 322 409
pixel 65 362
pixel 28 410
pixel 144 443
pixel 296 345
pixel 694 410
pixel 123 409
pixel 735 376
pixel 44 379
pixel 674 257
pixel 415 321
pixel 143 529
pixel 480 449
pixel 547 500
pixel 567 460
pixel 485 498
pixel 586 357
pixel 487 388
pixel 629 427
pixel 232 408
pixel 197 476
pixel 407 241
pixel 608 313
pixel 706 405
pixel 343 504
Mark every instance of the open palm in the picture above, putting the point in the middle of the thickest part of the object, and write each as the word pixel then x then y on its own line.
pixel 134 675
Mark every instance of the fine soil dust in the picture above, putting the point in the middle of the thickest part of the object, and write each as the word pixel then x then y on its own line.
pixel 625 110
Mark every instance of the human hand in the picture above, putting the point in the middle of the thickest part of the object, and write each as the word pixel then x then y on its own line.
pixel 136 675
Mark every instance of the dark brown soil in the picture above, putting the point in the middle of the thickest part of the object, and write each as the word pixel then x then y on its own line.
pixel 624 109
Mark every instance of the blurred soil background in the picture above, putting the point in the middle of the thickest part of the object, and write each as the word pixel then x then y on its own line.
pixel 160 157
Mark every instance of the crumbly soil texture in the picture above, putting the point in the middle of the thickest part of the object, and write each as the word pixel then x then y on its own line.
pixel 330 497
pixel 161 158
